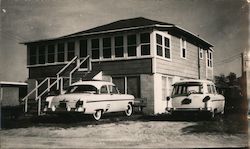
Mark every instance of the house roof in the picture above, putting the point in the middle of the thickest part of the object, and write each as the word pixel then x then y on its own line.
pixel 5 83
pixel 130 24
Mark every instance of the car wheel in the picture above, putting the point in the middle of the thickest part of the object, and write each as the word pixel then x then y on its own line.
pixel 129 110
pixel 97 115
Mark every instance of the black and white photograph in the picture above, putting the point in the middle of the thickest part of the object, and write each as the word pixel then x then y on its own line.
pixel 124 74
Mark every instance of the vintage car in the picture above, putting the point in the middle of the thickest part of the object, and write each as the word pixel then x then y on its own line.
pixel 91 97
pixel 195 96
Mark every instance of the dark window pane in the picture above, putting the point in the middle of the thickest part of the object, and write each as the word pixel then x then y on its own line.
pixel 159 50
pixel 132 51
pixel 167 53
pixel 183 52
pixel 60 48
pixel 51 54
pixel 83 48
pixel 32 60
pixel 119 52
pixel 84 64
pixel 32 50
pixel 131 39
pixel 145 49
pixel 145 37
pixel 71 50
pixel 95 43
pixel 119 41
pixel 106 42
pixel 120 83
pixel 159 39
pixel 107 53
pixel 95 54
pixel 133 86
pixel 60 57
pixel 166 40
pixel 41 54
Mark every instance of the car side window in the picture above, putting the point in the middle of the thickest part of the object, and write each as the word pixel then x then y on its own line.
pixel 113 90
pixel 104 89
pixel 209 90
pixel 213 88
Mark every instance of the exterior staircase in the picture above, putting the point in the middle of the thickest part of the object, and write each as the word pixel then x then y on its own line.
pixel 69 74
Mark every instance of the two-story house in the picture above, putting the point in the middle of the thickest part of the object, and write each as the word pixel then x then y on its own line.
pixel 142 57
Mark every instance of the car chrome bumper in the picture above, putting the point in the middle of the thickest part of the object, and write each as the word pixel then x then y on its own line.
pixel 189 109
pixel 64 110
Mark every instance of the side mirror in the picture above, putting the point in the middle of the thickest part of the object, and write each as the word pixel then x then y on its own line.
pixel 168 98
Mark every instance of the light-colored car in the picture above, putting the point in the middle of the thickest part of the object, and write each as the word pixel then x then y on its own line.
pixel 91 97
pixel 196 96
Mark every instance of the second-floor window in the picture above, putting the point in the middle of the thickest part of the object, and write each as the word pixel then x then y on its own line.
pixel 60 52
pixel 159 45
pixel 145 43
pixel 71 50
pixel 119 49
pixel 201 53
pixel 95 48
pixel 131 42
pixel 183 48
pixel 209 59
pixel 51 53
pixel 83 48
pixel 106 47
pixel 41 54
pixel 163 46
pixel 32 55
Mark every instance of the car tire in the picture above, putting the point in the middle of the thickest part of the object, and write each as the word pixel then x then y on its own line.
pixel 129 110
pixel 97 115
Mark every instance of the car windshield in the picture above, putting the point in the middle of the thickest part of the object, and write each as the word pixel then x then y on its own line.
pixel 82 89
pixel 187 88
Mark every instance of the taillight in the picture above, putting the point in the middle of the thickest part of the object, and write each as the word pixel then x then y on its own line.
pixel 206 99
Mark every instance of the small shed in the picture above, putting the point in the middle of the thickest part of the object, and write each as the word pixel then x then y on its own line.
pixel 11 92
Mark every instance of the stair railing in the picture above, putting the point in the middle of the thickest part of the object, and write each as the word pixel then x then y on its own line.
pixel 39 98
pixel 77 67
pixel 66 66
pixel 31 92
pixel 58 79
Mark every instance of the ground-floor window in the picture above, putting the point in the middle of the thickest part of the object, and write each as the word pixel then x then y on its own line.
pixel 128 85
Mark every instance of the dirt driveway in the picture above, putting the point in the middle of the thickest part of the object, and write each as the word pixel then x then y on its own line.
pixel 118 131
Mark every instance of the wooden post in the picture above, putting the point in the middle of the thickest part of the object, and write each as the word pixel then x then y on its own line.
pixel 39 106
pixel 26 105
pixel 48 84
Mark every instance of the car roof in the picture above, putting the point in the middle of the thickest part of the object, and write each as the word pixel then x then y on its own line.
pixel 95 83
pixel 193 81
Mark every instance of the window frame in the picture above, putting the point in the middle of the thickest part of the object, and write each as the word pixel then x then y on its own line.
pixel 34 55
pixel 145 44
pixel 164 35
pixel 95 48
pixel 132 45
pixel 110 47
pixel 71 51
pixel 201 55
pixel 209 59
pixel 51 53
pixel 119 46
pixel 183 46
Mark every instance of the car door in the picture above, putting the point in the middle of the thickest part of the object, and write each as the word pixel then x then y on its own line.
pixel 105 98
pixel 117 102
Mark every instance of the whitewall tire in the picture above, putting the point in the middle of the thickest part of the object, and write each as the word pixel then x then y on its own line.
pixel 97 115
pixel 129 110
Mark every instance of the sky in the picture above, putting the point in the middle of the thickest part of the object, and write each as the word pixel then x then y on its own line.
pixel 224 23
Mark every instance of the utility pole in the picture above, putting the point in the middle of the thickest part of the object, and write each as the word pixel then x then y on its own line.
pixel 246 78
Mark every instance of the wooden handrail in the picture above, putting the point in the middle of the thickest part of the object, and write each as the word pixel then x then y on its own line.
pixel 47 89
pixel 77 67
pixel 31 92
pixel 66 66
